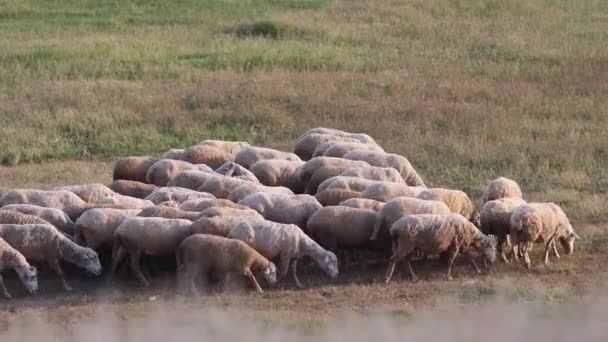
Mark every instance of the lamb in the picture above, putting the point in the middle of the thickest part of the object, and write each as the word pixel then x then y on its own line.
pixel 289 209
pixel 386 191
pixel 11 258
pixel 252 154
pixel 307 144
pixel 384 174
pixel 207 155
pixel 219 225
pixel 176 194
pixel 232 169
pixel 336 227
pixel 220 186
pixel 398 207
pixel 495 219
pixel 152 236
pixel 191 179
pixel 199 205
pixel 335 196
pixel 540 223
pixel 132 188
pixel 169 213
pixel 381 159
pixel 56 217
pixel 240 192
pixel 43 242
pixel 202 254
pixel 436 234
pixel 59 199
pixel 232 147
pixel 277 172
pixel 285 242
pixel 174 153
pixel 502 187
pixel 161 172
pixel 346 183
pixel 227 211
pixel 456 200
pixel 95 228
pixel 126 202
pixel 363 203
pixel 340 148
pixel 133 168
pixel 90 193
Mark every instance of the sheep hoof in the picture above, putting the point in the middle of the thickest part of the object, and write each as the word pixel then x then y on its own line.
pixel 449 278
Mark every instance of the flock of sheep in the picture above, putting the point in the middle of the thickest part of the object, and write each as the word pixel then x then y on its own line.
pixel 224 208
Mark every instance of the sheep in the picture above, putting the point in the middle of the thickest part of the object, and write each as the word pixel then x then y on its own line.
pixel 307 144
pixel 95 228
pixel 176 194
pixel 43 242
pixel 199 205
pixel 384 174
pixel 152 236
pixel 11 258
pixel 308 169
pixel 278 172
pixel 174 153
pixel 202 254
pixel 362 137
pixel 437 234
pixel 232 169
pixel 502 187
pixel 246 189
pixel 285 242
pixel 325 172
pixel 540 223
pixel 346 183
pixel 190 179
pixel 133 168
pixel 169 213
pixel 289 209
pixel 59 199
pixel 456 200
pixel 126 202
pixel 381 159
pixel 251 154
pixel 386 191
pixel 161 172
pixel 227 211
pixel 56 217
pixel 232 147
pixel 336 227
pixel 208 155
pixel 90 193
pixel 396 208
pixel 220 186
pixel 219 225
pixel 495 219
pixel 340 148
pixel 335 196
pixel 132 188
pixel 15 217
pixel 363 203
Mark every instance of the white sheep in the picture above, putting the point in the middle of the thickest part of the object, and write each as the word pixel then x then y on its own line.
pixel 199 205
pixel 232 147
pixel 252 154
pixel 208 155
pixel 248 188
pixel 221 186
pixel 277 172
pixel 132 188
pixel 335 196
pixel 501 187
pixel 386 191
pixel 10 258
pixel 282 208
pixel 456 200
pixel 232 169
pixel 381 159
pixel 59 199
pixel 342 227
pixel 340 148
pixel 495 219
pixel 190 179
pixel 95 228
pixel 90 193
pixel 126 202
pixel 56 217
pixel 363 203
pixel 162 171
pixel 176 194
pixel 346 183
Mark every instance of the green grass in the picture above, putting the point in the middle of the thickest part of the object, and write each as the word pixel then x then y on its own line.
pixel 468 90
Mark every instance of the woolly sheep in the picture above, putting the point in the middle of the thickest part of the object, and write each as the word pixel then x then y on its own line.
pixel 95 228
pixel 132 188
pixel 502 187
pixel 90 193
pixel 340 148
pixel 169 213
pixel 220 186
pixel 190 179
pixel 335 196
pixel 325 172
pixel 436 234
pixel 232 147
pixel 10 258
pixel 56 217
pixel 161 172
pixel 346 183
pixel 362 137
pixel 311 166
pixel 386 191
pixel 381 159
pixel 495 219
pixel 59 199
pixel 396 208
pixel 176 194
pixel 246 189
pixel 199 205
pixel 540 223
pixel 341 227
pixel 219 225
pixel 133 168
pixel 287 243
pixel 174 153
pixel 126 202
pixel 14 217
pixel 232 169
pixel 252 154
pixel 456 200
pixel 208 155
pixel 277 172
pixel 227 211
pixel 384 174
pixel 44 243
pixel 199 255
pixel 363 203
pixel 306 145
pixel 289 209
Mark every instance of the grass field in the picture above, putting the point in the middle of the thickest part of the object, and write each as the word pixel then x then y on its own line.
pixel 468 90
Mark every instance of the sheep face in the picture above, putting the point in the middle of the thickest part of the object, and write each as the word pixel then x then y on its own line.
pixel 485 246
pixel 270 273
pixel 89 260
pixel 329 264
pixel 567 242
pixel 29 278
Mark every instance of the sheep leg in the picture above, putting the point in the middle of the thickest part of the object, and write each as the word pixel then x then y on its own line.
pixel 135 260
pixel 548 247
pixel 283 267
pixel 254 281
pixel 54 265
pixel 409 266
pixel 117 259
pixel 398 254
pixel 501 243
pixel 555 250
pixel 474 264
pixel 4 290
pixel 451 254
pixel 526 254
pixel 294 273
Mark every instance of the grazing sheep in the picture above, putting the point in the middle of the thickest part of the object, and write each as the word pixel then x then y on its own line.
pixel 174 153
pixel 384 174
pixel 200 254
pixel 307 144
pixel 335 196
pixel 540 223
pixel 502 187
pixel 95 228
pixel 59 199
pixel 191 179
pixel 278 172
pixel 220 186
pixel 11 258
pixel 340 148
pixel 324 173
pixel 362 137
pixel 133 168
pixel 126 202
pixel 308 169
pixel 289 209
pixel 456 200
pixel 232 147
pixel 207 155
pixel 56 217
pixel 227 211
pixel 43 242
pixel 386 191
pixel 232 169
pixel 252 154
pixel 381 159
pixel 219 225
pixel 285 242
pixel 436 234
pixel 161 172
pixel 246 189
pixel 152 236
pixel 199 205
pixel 15 217
pixel 169 213
pixel 396 208
pixel 90 193
pixel 363 203
pixel 176 194
pixel 346 183
pixel 132 188
pixel 495 219
pixel 336 227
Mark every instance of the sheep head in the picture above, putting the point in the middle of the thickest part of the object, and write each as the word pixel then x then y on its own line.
pixel 89 260
pixel 486 246
pixel 29 277
pixel 567 241
pixel 270 273
pixel 329 264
